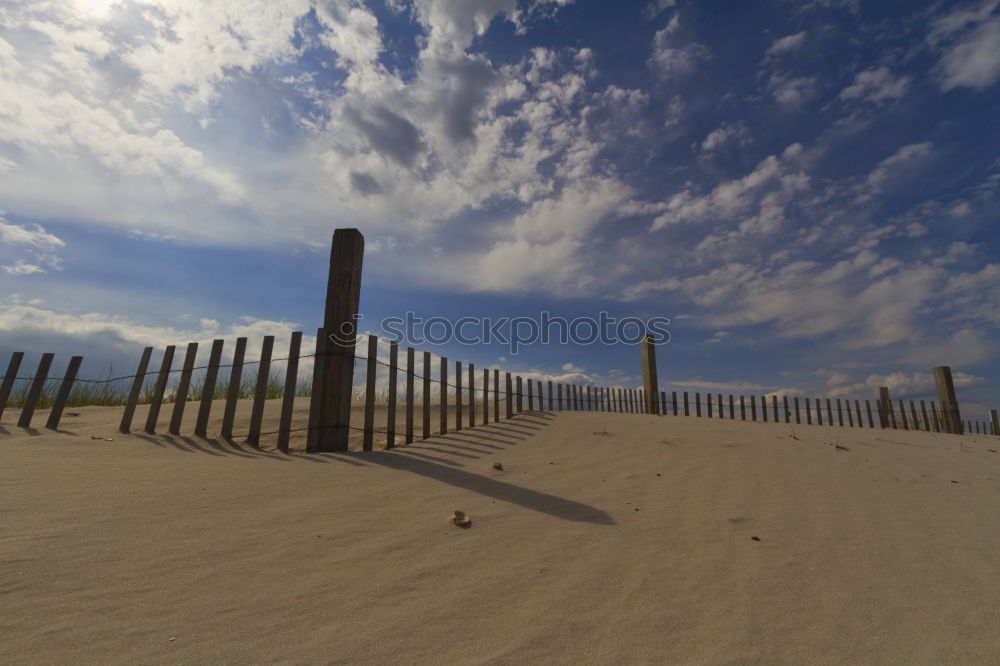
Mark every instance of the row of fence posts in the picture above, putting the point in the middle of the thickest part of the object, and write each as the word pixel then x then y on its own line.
pixel 515 391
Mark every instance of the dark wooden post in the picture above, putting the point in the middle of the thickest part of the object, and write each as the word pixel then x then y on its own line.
pixel 158 390
pixel 509 389
pixel 687 409
pixel 913 413
pixel 458 396
pixel 368 436
pixel 923 414
pixel 559 398
pixel 763 408
pixel 260 393
pixel 829 412
pixel 809 418
pixel 753 408
pixel 486 396
pixel 902 415
pixel 840 414
pixel 9 378
pixel 520 403
pixel 697 403
pixel 208 388
pixel 732 408
pixel 133 394
pixel 35 392
pixel 496 395
pixel 236 378
pixel 426 405
pixel 788 414
pixel 551 408
pixel 743 409
pixel 472 395
pixel 531 396
pixel 390 417
pixel 857 408
pixel 994 422
pixel 798 414
pixel 868 407
pixel 180 398
pixel 343 296
pixel 443 394
pixel 946 396
pixel 934 416
pixel 708 403
pixel 850 416
pixel 63 395
pixel 649 379
pixel 819 413
pixel 410 393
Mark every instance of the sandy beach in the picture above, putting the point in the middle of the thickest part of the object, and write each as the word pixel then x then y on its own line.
pixel 604 538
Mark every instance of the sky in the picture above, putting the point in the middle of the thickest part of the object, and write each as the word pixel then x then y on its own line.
pixel 807 189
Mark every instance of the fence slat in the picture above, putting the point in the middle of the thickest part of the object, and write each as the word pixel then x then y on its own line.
pixel 788 414
pixel 559 399
pixel 753 408
pixel 531 397
pixel 829 412
pixel 486 396
pixel 819 413
pixel 850 417
pixel 260 394
pixel 923 413
pixel 857 408
pixel 63 395
pixel 133 394
pixel 520 405
pixel 902 415
pixel 159 389
pixel 410 361
pixel 443 393
pixel 697 403
pixel 496 395
pixel 35 392
pixel 9 378
pixel 458 395
pixel 472 395
pixel 798 414
pixel 315 401
pixel 427 396
pixel 840 414
pixel 208 390
pixel 871 421
pixel 390 417
pixel 180 398
pixel 509 389
pixel 913 413
pixel 368 436
pixel 291 383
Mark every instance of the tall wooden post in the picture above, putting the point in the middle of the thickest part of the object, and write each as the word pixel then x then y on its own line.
pixel 994 422
pixel 884 408
pixel 343 296
pixel 649 383
pixel 946 396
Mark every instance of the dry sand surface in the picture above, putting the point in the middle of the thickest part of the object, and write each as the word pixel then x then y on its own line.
pixel 604 539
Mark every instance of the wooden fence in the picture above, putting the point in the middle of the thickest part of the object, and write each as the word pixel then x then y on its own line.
pixel 465 398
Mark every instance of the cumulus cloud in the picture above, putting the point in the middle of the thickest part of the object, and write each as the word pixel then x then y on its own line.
pixel 786 44
pixel 672 57
pixel 738 132
pixel 40 245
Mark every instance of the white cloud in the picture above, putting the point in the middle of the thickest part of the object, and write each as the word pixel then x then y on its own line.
pixel 969 37
pixel 40 244
pixel 877 86
pixel 737 131
pixel 787 44
pixel 792 92
pixel 670 57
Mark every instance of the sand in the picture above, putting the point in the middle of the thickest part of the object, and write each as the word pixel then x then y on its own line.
pixel 604 539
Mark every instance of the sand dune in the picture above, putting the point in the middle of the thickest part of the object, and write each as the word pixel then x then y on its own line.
pixel 605 538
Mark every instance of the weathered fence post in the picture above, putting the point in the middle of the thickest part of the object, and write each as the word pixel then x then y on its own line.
pixel 410 376
pixel 868 407
pixel 426 397
pixel 550 395
pixel 63 395
pixel 208 388
pixel 496 395
pixel 368 435
pixel 697 403
pixel 443 393
pixel 809 417
pixel 509 389
pixel 559 397
pixel 798 417
pixel 649 379
pixel 35 392
pixel 743 409
pixel 923 414
pixel 312 433
pixel 180 398
pixel 531 396
pixel 486 396
pixel 390 417
pixel 520 401
pixel 343 296
pixel 9 379
pixel 687 408
pixel 472 395
pixel 829 412
pixel 913 414
pixel 994 422
pixel 236 378
pixel 819 413
pixel 458 396
pixel 946 396
pixel 158 389
pixel 133 394
pixel 753 408
pixel 260 393
pixel 902 415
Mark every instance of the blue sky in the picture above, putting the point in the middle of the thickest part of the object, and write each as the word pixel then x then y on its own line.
pixel 808 190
